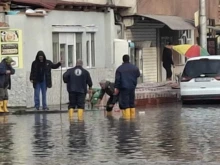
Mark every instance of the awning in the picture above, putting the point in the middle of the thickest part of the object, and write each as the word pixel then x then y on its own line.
pixel 174 22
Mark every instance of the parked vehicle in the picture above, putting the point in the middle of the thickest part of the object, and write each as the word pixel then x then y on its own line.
pixel 200 79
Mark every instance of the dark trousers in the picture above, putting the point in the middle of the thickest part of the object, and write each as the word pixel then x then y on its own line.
pixel 126 98
pixel 77 100
pixel 111 101
pixel 167 67
pixel 3 94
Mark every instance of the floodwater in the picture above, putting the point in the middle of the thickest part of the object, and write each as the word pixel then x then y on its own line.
pixel 166 134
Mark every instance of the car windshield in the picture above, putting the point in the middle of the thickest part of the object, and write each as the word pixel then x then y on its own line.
pixel 205 67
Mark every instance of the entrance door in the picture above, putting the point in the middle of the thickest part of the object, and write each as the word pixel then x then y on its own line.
pixel 150 64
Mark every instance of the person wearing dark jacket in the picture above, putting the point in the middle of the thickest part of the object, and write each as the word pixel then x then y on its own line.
pixel 125 83
pixel 77 80
pixel 40 76
pixel 6 71
pixel 167 62
pixel 108 88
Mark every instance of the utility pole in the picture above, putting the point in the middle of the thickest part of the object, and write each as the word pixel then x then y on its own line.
pixel 203 23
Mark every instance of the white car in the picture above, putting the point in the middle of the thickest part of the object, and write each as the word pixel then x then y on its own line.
pixel 200 79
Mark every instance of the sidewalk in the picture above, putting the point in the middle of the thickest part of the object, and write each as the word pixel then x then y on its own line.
pixel 52 109
pixel 156 93
pixel 150 93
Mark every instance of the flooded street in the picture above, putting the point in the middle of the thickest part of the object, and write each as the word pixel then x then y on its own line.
pixel 166 134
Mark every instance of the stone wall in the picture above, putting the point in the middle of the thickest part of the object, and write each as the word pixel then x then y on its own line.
pixel 22 93
pixel 17 95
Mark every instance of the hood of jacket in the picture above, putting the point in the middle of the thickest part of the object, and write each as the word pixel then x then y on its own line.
pixel 40 53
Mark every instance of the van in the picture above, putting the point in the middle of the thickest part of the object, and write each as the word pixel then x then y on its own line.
pixel 200 79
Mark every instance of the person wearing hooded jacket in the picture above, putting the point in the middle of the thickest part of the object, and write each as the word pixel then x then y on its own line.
pixel 6 71
pixel 40 76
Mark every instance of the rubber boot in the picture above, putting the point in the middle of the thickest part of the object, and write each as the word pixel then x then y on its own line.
pixel 123 113
pixel 71 111
pixel 127 113
pixel 5 105
pixel 80 114
pixel 1 106
pixel 132 112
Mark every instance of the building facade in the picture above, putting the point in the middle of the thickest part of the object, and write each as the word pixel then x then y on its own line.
pixel 154 23
pixel 99 32
pixel 66 31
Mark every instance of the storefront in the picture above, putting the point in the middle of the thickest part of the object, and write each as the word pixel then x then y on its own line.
pixel 150 33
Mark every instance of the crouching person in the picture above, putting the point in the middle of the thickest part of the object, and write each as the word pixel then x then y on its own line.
pixel 77 80
pixel 6 71
pixel 108 88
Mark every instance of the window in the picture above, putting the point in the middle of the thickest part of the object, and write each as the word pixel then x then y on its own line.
pixel 70 56
pixel 67 47
pixel 90 50
pixel 55 47
pixel 93 49
pixel 63 54
pixel 78 46
pixel 210 68
pixel 88 53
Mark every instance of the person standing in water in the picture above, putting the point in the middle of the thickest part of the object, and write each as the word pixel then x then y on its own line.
pixel 6 71
pixel 126 77
pixel 40 76
pixel 77 80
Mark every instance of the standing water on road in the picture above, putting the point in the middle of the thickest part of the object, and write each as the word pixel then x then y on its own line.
pixel 166 134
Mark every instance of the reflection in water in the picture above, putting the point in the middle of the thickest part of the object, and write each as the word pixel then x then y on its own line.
pixel 169 136
pixel 168 133
pixel 111 122
pixel 77 137
pixel 128 139
pixel 6 144
pixel 42 143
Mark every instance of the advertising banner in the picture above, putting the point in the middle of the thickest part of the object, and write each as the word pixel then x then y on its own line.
pixel 11 45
